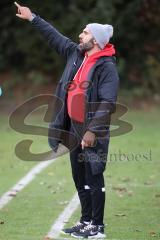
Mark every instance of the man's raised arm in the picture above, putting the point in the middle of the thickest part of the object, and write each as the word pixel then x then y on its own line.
pixel 63 45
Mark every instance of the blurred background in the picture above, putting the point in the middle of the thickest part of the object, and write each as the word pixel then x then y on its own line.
pixel 28 68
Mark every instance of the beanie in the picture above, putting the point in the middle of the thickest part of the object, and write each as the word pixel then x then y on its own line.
pixel 101 32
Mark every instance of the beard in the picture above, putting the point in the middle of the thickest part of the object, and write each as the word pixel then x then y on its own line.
pixel 84 47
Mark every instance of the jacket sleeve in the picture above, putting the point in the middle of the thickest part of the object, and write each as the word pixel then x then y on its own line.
pixel 107 95
pixel 63 45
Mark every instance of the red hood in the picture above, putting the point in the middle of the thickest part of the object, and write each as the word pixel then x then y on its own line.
pixel 109 50
pixel 77 96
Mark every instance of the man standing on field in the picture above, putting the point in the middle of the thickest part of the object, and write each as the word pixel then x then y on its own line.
pixel 88 102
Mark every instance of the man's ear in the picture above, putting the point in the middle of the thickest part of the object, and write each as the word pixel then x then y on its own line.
pixel 95 42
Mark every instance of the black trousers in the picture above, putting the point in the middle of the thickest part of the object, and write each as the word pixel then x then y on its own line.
pixel 90 187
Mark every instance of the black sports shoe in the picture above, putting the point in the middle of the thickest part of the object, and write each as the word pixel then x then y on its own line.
pixel 79 226
pixel 90 231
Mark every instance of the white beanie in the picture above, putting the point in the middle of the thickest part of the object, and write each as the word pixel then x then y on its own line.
pixel 101 32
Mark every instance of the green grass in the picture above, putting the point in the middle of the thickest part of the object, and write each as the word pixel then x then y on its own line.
pixel 132 187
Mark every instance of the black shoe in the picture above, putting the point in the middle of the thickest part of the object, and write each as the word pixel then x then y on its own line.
pixel 79 226
pixel 90 231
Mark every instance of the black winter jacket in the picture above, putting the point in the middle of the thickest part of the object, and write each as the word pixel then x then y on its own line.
pixel 102 91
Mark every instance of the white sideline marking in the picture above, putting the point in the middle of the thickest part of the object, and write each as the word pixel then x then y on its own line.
pixel 8 196
pixel 63 217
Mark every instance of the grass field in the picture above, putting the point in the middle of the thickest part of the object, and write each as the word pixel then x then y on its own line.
pixel 133 185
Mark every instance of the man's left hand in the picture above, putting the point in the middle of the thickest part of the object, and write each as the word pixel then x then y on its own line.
pixel 88 139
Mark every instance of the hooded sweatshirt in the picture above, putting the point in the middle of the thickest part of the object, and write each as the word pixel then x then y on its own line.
pixel 76 100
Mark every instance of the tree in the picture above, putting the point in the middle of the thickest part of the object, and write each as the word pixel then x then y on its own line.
pixel 136 36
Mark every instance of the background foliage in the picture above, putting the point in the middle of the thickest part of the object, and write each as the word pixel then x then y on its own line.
pixel 136 38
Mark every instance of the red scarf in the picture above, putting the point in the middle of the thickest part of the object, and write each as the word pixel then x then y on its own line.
pixel 77 89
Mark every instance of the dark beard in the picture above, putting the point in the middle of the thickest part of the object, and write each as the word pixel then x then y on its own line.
pixel 84 47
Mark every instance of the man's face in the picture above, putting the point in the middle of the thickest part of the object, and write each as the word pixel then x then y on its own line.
pixel 86 40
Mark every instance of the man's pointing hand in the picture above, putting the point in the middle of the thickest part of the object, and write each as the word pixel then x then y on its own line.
pixel 23 12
